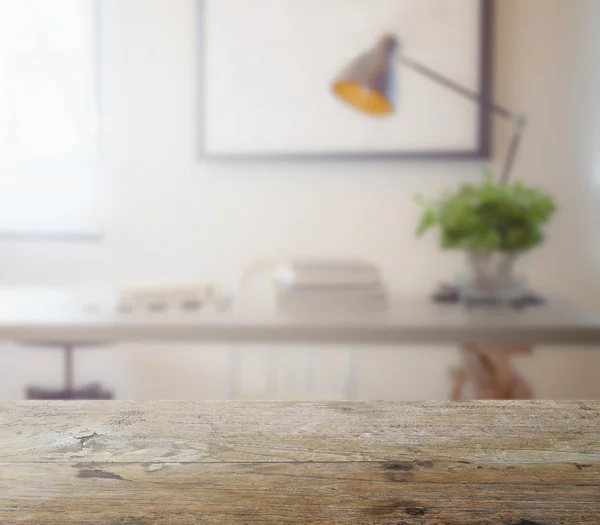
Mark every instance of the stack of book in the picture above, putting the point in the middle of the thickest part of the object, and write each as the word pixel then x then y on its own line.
pixel 329 287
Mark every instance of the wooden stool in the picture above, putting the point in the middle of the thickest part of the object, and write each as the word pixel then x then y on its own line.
pixel 491 372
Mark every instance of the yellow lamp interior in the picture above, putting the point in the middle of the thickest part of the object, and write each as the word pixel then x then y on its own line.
pixel 364 99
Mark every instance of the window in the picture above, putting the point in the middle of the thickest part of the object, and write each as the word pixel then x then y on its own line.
pixel 49 117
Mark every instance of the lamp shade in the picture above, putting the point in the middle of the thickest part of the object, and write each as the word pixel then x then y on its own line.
pixel 367 83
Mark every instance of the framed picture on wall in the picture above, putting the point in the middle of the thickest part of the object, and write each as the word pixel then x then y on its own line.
pixel 268 67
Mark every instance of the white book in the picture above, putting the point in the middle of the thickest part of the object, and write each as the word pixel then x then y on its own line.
pixel 331 301
pixel 317 274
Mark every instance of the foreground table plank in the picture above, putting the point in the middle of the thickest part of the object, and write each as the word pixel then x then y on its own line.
pixel 126 463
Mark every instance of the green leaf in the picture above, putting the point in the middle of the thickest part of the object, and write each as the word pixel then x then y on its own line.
pixel 488 217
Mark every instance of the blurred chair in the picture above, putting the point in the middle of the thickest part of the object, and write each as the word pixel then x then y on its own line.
pixel 93 391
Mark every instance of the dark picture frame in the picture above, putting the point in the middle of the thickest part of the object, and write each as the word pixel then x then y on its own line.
pixel 481 151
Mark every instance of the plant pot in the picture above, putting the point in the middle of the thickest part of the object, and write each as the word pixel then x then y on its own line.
pixel 491 277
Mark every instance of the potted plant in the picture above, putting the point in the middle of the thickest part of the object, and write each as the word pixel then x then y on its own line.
pixel 493 224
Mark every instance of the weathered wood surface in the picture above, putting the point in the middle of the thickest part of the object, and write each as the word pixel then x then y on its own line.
pixel 175 463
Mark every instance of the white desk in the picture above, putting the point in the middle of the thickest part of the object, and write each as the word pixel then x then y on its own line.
pixel 63 316
pixel 491 334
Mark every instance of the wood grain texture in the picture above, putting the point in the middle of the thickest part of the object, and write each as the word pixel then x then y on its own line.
pixel 130 463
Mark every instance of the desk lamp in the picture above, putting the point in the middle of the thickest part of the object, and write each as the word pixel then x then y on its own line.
pixel 367 84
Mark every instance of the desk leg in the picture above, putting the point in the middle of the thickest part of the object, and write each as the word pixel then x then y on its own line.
pixel 460 381
pixel 234 366
pixel 68 364
pixel 351 388
pixel 491 372
pixel 272 372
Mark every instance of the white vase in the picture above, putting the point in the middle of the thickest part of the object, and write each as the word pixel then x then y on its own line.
pixel 492 277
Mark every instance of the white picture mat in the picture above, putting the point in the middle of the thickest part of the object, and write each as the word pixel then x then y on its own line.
pixel 269 66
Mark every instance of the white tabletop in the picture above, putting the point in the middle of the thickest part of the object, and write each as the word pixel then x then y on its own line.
pixel 55 315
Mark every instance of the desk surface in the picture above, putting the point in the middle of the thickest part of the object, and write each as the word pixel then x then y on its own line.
pixel 227 463
pixel 63 316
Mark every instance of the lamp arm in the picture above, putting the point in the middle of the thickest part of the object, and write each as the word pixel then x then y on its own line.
pixel 518 121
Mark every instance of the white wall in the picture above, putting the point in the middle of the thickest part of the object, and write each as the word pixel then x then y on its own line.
pixel 171 216
pixel 548 65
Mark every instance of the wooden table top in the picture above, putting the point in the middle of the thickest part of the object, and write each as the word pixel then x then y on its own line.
pixel 393 463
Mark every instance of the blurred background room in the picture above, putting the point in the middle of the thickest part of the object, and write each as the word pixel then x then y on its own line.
pixel 136 150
